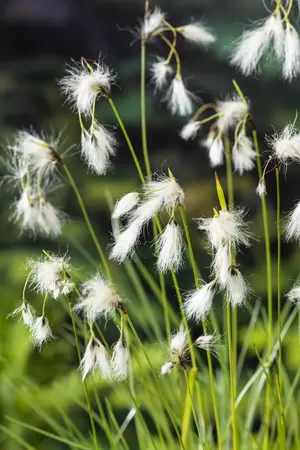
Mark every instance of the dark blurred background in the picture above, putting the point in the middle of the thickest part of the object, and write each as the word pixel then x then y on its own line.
pixel 37 39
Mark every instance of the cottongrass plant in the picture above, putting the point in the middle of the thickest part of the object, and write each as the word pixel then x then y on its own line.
pixel 186 393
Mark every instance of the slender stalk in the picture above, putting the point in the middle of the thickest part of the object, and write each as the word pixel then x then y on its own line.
pixel 127 138
pixel 88 402
pixel 269 284
pixel 87 221
pixel 210 368
pixel 143 107
pixel 231 369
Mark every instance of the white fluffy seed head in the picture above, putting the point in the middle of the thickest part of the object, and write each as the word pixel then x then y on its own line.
pixel 39 151
pixel 285 143
pixel 261 188
pixel 179 344
pixel 170 248
pixel 166 368
pixel 125 205
pixel 231 110
pixel 291 63
pixel 189 131
pixel 220 265
pixel 250 48
pixel 159 73
pixel 237 287
pixel 178 98
pixel 166 190
pixel 95 358
pixel 198 33
pixel 292 227
pixel 277 34
pixel 48 274
pixel 97 146
pixel 198 303
pixel 126 241
pixel 294 294
pixel 228 227
pixel 120 359
pixel 82 84
pixel 40 331
pixel 27 313
pixel 216 152
pixel 50 219
pixel 98 298
pixel 243 154
pixel 152 22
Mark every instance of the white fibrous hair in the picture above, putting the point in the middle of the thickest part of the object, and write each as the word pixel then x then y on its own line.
pixel 170 248
pixel 261 188
pixel 120 359
pixel 250 48
pixel 216 151
pixel 178 344
pixel 126 241
pixel 166 368
pixel 198 33
pixel 292 227
pixel 220 265
pixel 285 143
pixel 291 63
pixel 237 287
pixel 159 72
pixel 189 131
pixel 152 22
pixel 82 84
pixel 167 190
pixel 50 219
pixel 208 342
pixel 40 331
pixel 16 168
pixel 94 359
pixel 48 274
pixel 227 227
pixel 27 313
pixel 231 112
pixel 125 205
pixel 98 298
pixel 198 303
pixel 97 146
pixel 278 35
pixel 243 154
pixel 179 99
pixel 38 152
pixel 294 294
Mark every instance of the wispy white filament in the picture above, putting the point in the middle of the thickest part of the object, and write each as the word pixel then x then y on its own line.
pixel 159 73
pixel 151 22
pixel 243 154
pixel 237 287
pixel 292 228
pixel 120 360
pixel 125 205
pixel 179 344
pixel 82 85
pixel 208 342
pixel 291 64
pixel 97 146
pixel 294 294
pixel 189 131
pixel 95 358
pixel 216 152
pixel 166 368
pixel 27 313
pixel 125 242
pixel 231 112
pixel 98 298
pixel 220 265
pixel 170 248
pixel 198 303
pixel 198 33
pixel 179 99
pixel 285 143
pixel 40 331
pixel 261 188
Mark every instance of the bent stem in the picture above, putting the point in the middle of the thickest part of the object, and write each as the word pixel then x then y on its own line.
pixel 88 402
pixel 269 284
pixel 87 221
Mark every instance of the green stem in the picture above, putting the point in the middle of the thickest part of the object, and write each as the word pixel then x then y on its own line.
pixel 88 402
pixel 87 221
pixel 127 138
pixel 143 107
pixel 231 374
pixel 269 283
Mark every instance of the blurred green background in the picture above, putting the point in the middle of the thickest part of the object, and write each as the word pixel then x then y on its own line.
pixel 37 38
